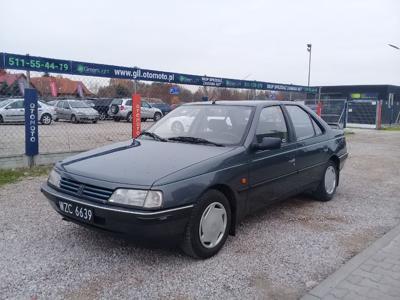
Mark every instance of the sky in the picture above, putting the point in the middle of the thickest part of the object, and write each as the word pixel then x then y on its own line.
pixel 256 40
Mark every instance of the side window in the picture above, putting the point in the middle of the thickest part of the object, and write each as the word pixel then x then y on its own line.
pixel 65 104
pixel 129 103
pixel 317 129
pixel 145 104
pixel 301 121
pixel 59 104
pixel 16 104
pixel 272 124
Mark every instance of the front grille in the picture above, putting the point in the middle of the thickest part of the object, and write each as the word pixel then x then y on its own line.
pixel 89 192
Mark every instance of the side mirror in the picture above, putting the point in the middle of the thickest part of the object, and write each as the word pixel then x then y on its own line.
pixel 267 143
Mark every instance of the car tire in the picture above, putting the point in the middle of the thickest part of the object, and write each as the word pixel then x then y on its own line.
pixel 103 116
pixel 201 239
pixel 74 119
pixel 327 187
pixel 46 119
pixel 117 119
pixel 56 120
pixel 94 121
pixel 157 116
pixel 1 119
pixel 129 118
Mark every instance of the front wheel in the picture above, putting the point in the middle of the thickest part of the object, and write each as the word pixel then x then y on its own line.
pixel 208 227
pixel 74 119
pixel 46 119
pixel 327 187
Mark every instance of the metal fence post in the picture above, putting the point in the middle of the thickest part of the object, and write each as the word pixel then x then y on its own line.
pixel 346 112
pixel 31 125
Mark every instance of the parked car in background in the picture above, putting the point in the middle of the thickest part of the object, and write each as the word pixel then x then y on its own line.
pixel 235 158
pixel 164 107
pixel 75 111
pixel 101 105
pixel 121 109
pixel 13 110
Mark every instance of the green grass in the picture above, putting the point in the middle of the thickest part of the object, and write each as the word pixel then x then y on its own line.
pixel 13 175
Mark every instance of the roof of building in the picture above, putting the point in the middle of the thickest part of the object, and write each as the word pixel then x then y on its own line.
pixel 65 86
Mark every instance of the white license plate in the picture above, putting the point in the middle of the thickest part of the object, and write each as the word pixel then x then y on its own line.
pixel 77 211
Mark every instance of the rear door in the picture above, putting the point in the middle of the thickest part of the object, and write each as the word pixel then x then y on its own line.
pixel 59 110
pixel 271 171
pixel 312 149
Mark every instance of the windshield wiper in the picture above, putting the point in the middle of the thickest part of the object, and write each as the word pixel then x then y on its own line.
pixel 193 140
pixel 154 136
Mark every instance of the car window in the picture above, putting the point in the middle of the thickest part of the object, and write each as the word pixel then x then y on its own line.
pixel 301 122
pixel 16 104
pixel 145 104
pixel 272 124
pixel 317 128
pixel 65 105
pixel 117 101
pixel 223 124
pixel 129 102
pixel 59 104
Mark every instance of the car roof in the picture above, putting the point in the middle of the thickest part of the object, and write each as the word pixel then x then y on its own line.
pixel 255 103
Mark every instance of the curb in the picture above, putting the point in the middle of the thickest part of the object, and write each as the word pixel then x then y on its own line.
pixel 333 280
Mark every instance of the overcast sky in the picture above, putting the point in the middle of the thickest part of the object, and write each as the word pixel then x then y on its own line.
pixel 225 38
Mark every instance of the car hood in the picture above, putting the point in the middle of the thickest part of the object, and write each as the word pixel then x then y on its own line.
pixel 139 163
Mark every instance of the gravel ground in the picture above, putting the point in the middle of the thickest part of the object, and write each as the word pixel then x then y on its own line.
pixel 278 253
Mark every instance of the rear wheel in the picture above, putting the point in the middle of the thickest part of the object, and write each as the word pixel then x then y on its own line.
pixel 46 119
pixel 74 119
pixel 208 227
pixel 117 119
pixel 94 121
pixel 157 116
pixel 327 187
pixel 129 118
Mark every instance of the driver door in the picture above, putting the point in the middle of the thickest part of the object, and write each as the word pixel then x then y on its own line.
pixel 271 171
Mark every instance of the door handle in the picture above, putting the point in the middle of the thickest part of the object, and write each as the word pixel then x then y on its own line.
pixel 292 161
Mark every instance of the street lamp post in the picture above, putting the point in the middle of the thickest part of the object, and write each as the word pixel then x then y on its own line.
pixel 309 46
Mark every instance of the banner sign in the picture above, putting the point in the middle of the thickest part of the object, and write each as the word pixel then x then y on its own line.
pixel 31 122
pixel 42 64
pixel 136 115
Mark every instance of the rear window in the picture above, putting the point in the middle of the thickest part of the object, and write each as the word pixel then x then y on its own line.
pixel 301 121
pixel 117 101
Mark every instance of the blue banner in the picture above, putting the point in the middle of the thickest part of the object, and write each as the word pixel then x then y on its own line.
pixel 50 65
pixel 31 122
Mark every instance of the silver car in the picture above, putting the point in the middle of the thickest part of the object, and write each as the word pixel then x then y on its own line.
pixel 75 111
pixel 13 110
pixel 121 109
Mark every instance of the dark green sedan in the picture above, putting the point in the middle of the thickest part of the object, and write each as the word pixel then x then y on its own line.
pixel 198 171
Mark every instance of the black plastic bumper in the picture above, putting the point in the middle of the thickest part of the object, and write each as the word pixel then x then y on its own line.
pixel 152 225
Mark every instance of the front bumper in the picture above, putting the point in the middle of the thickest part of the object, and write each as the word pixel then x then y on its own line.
pixel 87 117
pixel 152 225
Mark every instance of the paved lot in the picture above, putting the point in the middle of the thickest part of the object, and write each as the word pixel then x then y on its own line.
pixel 373 274
pixel 279 253
pixel 65 136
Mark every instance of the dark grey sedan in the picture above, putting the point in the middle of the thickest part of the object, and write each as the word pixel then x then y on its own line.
pixel 229 159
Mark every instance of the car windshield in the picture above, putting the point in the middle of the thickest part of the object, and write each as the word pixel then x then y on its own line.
pixel 218 124
pixel 78 104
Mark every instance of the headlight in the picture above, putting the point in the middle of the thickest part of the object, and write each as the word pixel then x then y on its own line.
pixel 139 198
pixel 54 178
